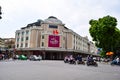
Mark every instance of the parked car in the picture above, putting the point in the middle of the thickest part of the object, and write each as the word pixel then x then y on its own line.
pixel 35 58
pixel 22 57
pixel 15 57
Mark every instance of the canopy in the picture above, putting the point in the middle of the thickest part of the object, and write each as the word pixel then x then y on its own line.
pixel 109 53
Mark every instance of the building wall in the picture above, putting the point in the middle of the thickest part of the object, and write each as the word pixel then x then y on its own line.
pixel 38 37
pixel 2 44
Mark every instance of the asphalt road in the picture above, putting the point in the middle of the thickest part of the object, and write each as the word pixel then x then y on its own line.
pixel 56 70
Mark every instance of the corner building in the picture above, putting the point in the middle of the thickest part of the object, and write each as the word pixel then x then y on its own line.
pixel 52 40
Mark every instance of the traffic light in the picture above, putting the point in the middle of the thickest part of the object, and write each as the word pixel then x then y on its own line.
pixel 0 12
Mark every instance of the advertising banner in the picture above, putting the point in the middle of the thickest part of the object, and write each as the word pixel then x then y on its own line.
pixel 53 41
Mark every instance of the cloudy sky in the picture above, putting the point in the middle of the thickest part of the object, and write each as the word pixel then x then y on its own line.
pixel 75 14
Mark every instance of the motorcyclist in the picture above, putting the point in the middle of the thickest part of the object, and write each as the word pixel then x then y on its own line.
pixel 72 60
pixel 79 58
pixel 90 61
pixel 66 59
pixel 90 58
pixel 116 61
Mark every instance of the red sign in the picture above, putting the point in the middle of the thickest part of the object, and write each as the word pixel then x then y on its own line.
pixel 55 32
pixel 53 41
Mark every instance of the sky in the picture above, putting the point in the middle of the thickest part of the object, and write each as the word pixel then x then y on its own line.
pixel 75 14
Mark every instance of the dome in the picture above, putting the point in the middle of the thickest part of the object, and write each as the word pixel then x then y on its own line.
pixel 52 20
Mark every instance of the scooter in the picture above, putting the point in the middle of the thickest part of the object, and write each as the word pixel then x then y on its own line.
pixel 72 62
pixel 80 62
pixel 92 63
pixel 115 63
pixel 66 60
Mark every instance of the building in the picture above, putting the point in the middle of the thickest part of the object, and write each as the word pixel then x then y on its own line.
pixel 7 46
pixel 9 43
pixel 51 39
pixel 2 44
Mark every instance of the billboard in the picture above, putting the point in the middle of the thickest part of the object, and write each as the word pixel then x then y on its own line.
pixel 53 41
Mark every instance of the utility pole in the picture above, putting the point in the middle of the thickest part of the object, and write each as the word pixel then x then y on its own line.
pixel 0 13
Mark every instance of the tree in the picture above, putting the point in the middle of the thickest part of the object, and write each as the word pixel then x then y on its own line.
pixel 105 33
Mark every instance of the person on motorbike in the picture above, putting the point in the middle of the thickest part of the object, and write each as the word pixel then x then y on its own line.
pixel 66 59
pixel 90 61
pixel 72 59
pixel 116 61
pixel 90 58
pixel 79 58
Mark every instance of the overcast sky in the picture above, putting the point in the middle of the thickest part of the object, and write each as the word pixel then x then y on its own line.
pixel 75 14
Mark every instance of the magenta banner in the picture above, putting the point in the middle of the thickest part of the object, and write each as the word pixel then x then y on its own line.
pixel 53 41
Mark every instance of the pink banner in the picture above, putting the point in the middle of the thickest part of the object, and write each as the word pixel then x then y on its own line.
pixel 53 41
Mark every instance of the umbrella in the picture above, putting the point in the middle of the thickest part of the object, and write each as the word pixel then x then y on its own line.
pixel 109 53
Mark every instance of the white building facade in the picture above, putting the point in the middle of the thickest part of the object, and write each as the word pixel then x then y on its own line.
pixel 52 40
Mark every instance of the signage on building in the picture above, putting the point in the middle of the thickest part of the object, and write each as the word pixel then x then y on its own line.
pixel 53 41
pixel 55 32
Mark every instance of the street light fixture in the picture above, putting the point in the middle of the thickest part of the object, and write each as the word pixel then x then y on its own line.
pixel 0 12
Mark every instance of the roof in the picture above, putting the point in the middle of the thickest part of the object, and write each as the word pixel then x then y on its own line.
pixel 52 20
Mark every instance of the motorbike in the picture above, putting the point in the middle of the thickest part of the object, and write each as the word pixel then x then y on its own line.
pixel 115 63
pixel 66 60
pixel 92 63
pixel 80 62
pixel 72 62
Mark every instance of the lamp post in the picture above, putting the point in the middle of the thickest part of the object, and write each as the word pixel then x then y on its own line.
pixel 0 12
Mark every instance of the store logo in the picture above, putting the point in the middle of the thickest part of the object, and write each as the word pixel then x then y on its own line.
pixel 53 41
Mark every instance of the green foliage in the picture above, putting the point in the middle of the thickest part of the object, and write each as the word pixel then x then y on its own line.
pixel 103 54
pixel 105 34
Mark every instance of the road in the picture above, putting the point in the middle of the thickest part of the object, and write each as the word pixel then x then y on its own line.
pixel 56 70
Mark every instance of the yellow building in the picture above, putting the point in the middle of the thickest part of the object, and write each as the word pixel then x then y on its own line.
pixel 51 39
pixel 2 44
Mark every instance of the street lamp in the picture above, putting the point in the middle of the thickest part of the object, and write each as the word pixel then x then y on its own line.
pixel 0 12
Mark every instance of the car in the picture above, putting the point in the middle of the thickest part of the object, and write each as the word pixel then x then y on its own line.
pixel 15 57
pixel 22 57
pixel 35 58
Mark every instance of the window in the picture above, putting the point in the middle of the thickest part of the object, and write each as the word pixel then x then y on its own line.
pixel 63 38
pixel 53 26
pixel 27 38
pixel 17 39
pixel 42 44
pixel 21 44
pixel 42 36
pixel 27 32
pixel 18 34
pixel 26 44
pixel 17 45
pixel 22 33
pixel 22 39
